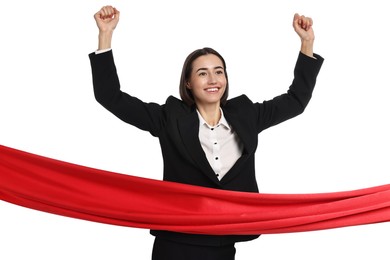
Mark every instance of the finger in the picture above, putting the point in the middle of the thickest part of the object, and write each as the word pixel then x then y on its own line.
pixel 307 23
pixel 296 21
pixel 303 22
pixel 100 14
pixel 116 13
pixel 107 12
pixel 310 21
pixel 296 18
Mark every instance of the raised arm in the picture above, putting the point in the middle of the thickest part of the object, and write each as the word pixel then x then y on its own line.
pixel 308 65
pixel 107 89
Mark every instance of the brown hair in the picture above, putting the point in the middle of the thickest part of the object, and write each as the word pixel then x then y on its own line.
pixel 185 93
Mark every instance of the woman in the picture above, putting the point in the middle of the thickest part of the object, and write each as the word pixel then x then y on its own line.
pixel 206 139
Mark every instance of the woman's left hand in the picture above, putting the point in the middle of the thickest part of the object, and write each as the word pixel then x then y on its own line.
pixel 303 27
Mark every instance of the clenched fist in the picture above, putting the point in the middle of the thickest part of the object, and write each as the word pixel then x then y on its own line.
pixel 107 18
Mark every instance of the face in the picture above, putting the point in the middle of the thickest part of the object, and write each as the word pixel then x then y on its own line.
pixel 208 80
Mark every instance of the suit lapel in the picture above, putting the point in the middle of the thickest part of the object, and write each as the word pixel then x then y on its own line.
pixel 189 131
pixel 242 131
pixel 246 137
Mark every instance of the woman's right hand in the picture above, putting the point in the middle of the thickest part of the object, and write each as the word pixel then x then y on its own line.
pixel 107 18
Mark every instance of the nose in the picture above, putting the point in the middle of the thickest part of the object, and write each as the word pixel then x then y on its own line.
pixel 212 79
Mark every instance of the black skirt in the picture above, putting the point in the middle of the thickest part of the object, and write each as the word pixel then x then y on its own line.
pixel 164 249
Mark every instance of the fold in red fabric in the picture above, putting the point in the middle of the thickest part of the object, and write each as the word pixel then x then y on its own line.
pixel 81 192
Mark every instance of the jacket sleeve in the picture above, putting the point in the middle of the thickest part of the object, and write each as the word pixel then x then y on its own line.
pixel 106 85
pixel 294 102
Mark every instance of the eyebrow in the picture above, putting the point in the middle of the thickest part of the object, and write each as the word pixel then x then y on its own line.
pixel 218 67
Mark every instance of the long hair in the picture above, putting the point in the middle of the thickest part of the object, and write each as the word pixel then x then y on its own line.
pixel 185 93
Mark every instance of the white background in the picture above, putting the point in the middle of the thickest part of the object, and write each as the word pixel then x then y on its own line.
pixel 340 143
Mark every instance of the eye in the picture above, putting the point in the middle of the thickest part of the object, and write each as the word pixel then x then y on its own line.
pixel 202 73
pixel 219 72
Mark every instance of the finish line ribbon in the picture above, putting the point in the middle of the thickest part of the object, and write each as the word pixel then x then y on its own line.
pixel 81 192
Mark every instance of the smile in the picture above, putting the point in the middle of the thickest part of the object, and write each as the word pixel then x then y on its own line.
pixel 212 89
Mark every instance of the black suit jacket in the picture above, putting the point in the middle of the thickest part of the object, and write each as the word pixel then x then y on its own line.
pixel 177 125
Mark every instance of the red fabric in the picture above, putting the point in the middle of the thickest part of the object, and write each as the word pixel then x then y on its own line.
pixel 80 192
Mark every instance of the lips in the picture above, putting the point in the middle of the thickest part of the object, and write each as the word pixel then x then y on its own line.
pixel 212 90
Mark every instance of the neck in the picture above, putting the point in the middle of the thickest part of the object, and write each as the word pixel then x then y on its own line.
pixel 211 114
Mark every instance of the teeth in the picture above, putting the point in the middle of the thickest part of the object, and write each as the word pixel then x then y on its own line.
pixel 212 89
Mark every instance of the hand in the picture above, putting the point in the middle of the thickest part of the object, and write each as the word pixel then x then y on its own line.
pixel 107 18
pixel 303 27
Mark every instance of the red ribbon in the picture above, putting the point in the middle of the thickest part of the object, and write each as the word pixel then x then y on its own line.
pixel 76 191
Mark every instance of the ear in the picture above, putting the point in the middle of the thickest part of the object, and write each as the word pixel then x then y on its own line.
pixel 188 85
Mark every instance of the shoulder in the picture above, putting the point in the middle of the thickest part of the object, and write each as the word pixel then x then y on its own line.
pixel 176 106
pixel 238 103
pixel 172 101
pixel 241 107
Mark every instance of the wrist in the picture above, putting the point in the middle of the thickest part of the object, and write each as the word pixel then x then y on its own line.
pixel 105 39
pixel 307 47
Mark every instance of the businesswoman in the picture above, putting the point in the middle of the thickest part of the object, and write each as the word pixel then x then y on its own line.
pixel 206 139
